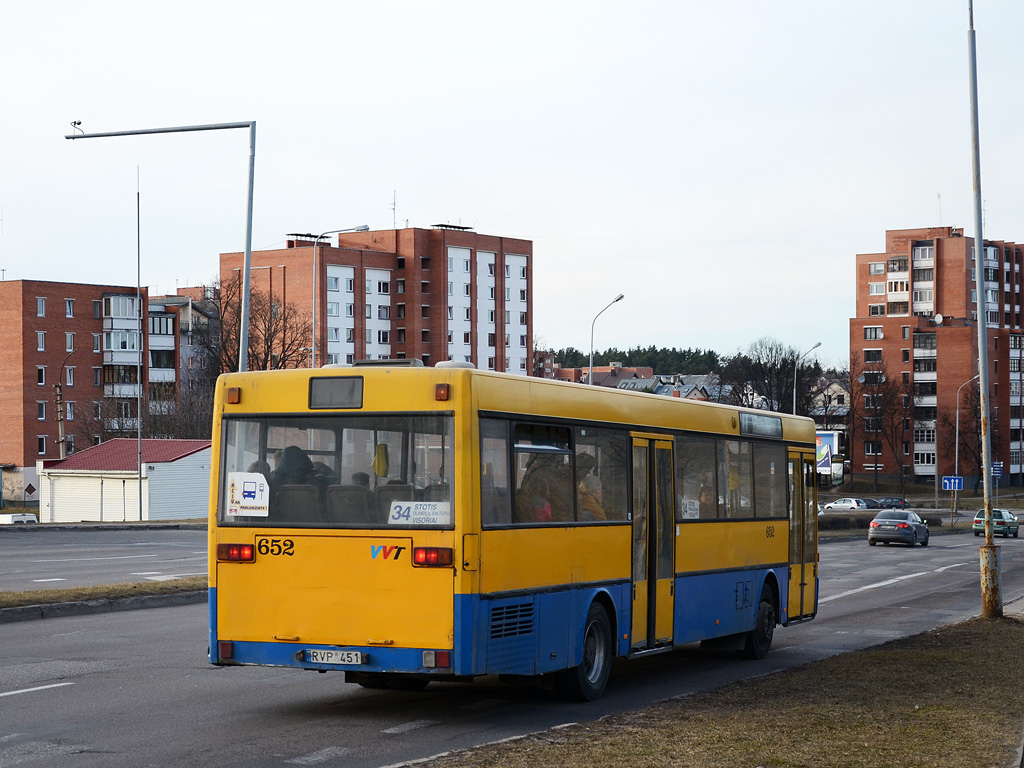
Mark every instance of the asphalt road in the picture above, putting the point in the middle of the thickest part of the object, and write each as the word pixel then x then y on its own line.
pixel 134 689
pixel 82 557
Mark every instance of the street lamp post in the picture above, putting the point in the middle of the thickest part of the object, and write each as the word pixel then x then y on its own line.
pixel 796 367
pixel 956 455
pixel 590 376
pixel 243 335
pixel 316 276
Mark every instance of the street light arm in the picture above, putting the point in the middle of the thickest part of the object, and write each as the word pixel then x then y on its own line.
pixel 796 368
pixel 590 374
pixel 316 276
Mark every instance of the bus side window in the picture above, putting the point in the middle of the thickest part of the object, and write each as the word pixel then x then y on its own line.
pixel 495 498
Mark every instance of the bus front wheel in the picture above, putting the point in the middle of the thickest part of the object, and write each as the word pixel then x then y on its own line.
pixel 759 639
pixel 587 681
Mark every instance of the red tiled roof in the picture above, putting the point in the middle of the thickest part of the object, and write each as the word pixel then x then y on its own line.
pixel 122 454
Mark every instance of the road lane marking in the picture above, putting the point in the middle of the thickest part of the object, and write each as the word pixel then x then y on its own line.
pixel 40 688
pixel 321 756
pixel 42 581
pixel 872 586
pixel 947 567
pixel 82 559
pixel 412 725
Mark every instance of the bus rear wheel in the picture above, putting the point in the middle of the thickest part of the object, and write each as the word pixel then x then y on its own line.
pixel 759 639
pixel 587 681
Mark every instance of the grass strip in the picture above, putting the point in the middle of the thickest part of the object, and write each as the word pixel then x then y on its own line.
pixel 950 697
pixel 105 592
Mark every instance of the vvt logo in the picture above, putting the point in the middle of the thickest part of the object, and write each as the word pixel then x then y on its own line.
pixel 380 549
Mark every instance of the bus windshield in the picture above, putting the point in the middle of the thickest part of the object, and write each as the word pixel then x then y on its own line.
pixel 338 471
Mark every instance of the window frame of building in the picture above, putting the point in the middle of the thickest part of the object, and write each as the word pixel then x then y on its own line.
pixel 876 268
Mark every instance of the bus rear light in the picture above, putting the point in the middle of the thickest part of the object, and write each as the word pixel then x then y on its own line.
pixel 437 659
pixel 226 649
pixel 233 396
pixel 440 391
pixel 236 553
pixel 432 556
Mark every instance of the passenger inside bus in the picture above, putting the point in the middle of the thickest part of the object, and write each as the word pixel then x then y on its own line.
pixel 590 499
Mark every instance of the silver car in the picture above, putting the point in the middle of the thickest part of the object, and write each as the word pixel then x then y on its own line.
pixel 846 505
pixel 898 525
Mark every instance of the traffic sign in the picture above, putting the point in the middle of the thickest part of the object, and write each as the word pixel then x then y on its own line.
pixel 997 469
pixel 952 483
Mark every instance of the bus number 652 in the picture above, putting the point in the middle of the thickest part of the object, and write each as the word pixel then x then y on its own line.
pixel 275 547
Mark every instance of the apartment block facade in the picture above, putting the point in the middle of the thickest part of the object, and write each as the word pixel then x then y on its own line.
pixel 71 369
pixel 917 324
pixel 445 293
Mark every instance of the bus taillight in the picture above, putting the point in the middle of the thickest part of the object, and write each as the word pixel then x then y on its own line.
pixel 236 553
pixel 432 556
pixel 437 659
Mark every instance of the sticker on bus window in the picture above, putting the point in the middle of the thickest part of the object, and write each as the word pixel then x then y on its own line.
pixel 420 513
pixel 248 495
pixel 690 509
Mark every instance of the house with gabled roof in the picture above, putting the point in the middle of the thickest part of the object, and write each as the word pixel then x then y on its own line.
pixel 102 483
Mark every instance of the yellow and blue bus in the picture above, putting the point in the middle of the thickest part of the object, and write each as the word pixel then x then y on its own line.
pixel 406 524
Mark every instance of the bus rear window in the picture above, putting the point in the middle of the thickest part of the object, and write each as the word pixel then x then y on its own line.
pixel 390 471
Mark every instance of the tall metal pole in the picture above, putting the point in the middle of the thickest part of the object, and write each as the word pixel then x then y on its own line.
pixel 796 367
pixel 590 376
pixel 243 335
pixel 991 597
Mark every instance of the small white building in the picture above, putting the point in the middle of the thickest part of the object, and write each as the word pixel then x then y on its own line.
pixel 101 483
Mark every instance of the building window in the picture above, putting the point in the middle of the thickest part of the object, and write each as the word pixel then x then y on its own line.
pixel 906 356
pixel 97 376
pixel 350 335
pixel 876 289
pixel 70 376
pixel 333 307
pixel 332 283
pixel 490 339
pixel 465 265
pixel 924 435
pixel 350 310
pixel 425 336
pixel 872 355
pixel 522 272
pixel 522 295
pixel 522 340
pixel 369 311
pixel 451 288
pixel 898 286
pixel 425 310
pixel 400 311
pixel 69 307
pixel 924 294
pixel 490 269
pixel 468 315
pixel 490 293
pixel 40 341
pixel 70 410
pixel 40 375
pixel 41 444
pixel 875 310
pixel 333 333
pixel 872 332
pixel 350 285
pixel 41 410
pixel 400 338
pixel 924 341
pixel 876 268
pixel 69 342
pixel 400 286
pixel 490 363
pixel 120 306
pixel 369 336
pixel 97 309
pixel 522 318
pixel 872 448
pixel 467 337
pixel 332 358
pixel 906 331
pixel 40 306
pixel 383 337
pixel 383 312
pixel 369 287
pixel 924 458
pixel 466 290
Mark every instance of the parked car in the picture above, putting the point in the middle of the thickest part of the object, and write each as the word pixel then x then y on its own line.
pixel 846 505
pixel 1003 522
pixel 873 503
pixel 899 525
pixel 894 502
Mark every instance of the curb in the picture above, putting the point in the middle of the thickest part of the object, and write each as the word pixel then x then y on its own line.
pixel 89 607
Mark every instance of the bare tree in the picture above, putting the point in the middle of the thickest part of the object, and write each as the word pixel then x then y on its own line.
pixel 279 334
pixel 970 433
pixel 767 369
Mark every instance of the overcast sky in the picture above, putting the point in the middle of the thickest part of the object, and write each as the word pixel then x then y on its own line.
pixel 720 163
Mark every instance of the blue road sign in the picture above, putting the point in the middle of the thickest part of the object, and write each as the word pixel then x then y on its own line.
pixel 997 469
pixel 952 483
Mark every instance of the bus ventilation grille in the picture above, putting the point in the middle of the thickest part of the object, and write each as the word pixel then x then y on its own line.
pixel 511 620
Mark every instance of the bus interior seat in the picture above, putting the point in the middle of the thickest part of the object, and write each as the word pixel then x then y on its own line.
pixel 387 494
pixel 436 492
pixel 298 504
pixel 349 504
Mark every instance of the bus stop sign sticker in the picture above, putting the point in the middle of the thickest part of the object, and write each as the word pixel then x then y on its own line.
pixel 248 495
pixel 420 513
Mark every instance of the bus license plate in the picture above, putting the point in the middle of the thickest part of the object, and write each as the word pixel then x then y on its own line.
pixel 335 657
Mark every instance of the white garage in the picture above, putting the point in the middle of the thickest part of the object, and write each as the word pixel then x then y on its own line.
pixel 101 484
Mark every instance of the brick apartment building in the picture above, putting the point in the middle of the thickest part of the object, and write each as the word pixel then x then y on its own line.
pixel 445 293
pixel 84 338
pixel 916 322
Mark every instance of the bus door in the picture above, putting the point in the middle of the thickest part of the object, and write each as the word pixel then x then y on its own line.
pixel 803 537
pixel 653 544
